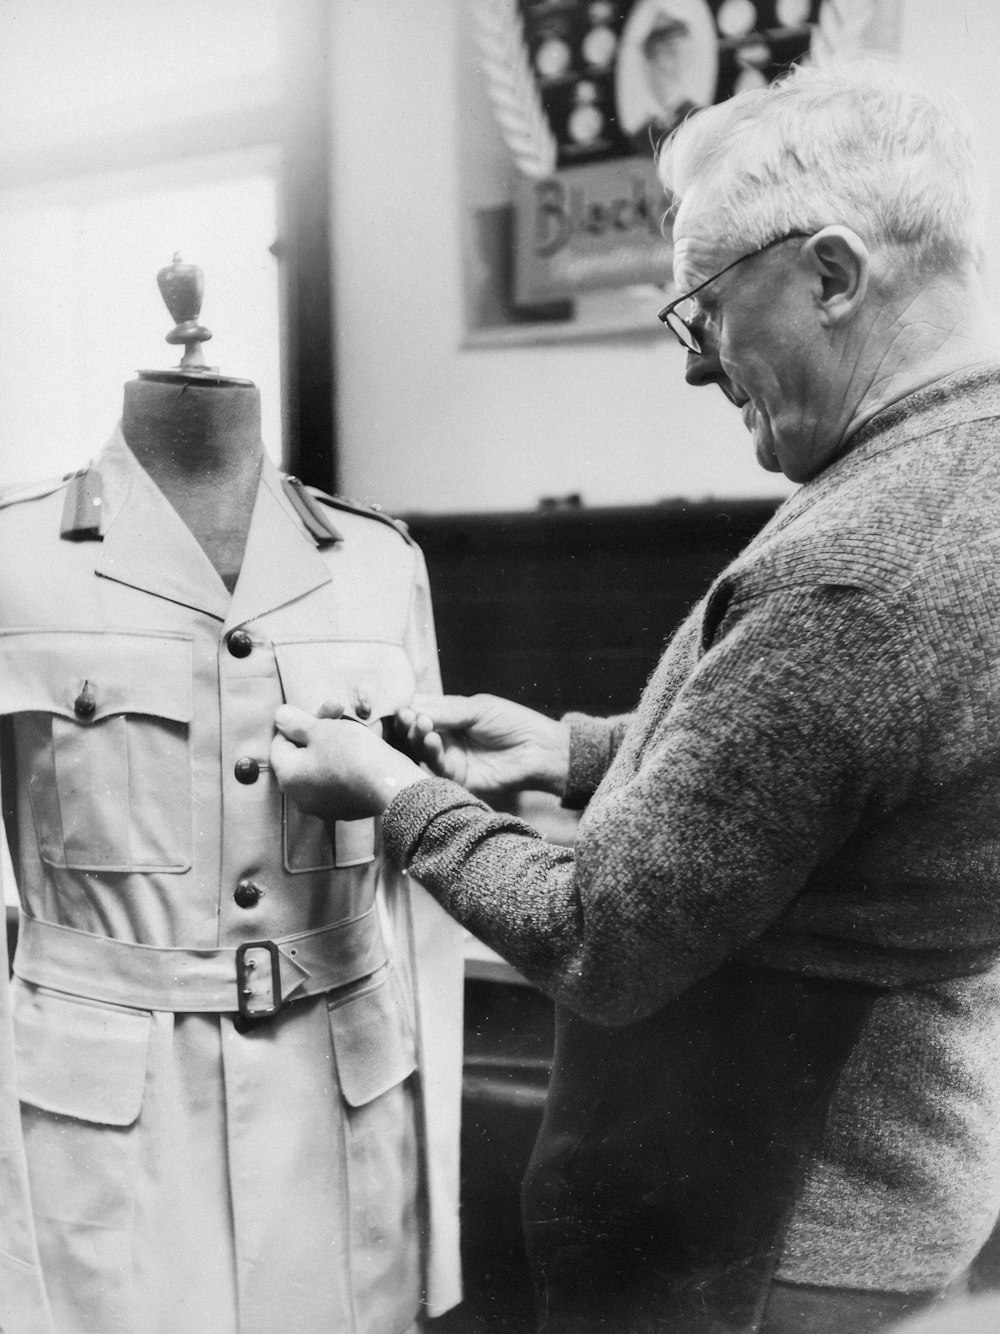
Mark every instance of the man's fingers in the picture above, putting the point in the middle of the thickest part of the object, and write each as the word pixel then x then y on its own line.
pixel 284 755
pixel 436 757
pixel 444 761
pixel 454 713
pixel 419 729
pixel 294 723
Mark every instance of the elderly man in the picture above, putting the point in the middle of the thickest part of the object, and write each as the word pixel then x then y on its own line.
pixel 776 1098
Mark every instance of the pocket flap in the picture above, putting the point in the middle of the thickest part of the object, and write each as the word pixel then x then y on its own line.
pixel 48 671
pixel 372 1038
pixel 79 1058
pixel 347 670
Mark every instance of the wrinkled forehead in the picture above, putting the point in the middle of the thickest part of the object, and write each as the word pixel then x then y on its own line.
pixel 698 252
pixel 695 260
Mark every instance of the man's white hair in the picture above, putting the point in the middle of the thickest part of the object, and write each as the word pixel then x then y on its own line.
pixel 853 145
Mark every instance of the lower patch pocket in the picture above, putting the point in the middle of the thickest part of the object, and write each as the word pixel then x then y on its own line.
pixel 372 1038
pixel 375 1054
pixel 81 1070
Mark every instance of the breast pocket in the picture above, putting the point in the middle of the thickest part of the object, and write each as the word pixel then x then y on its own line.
pixel 372 679
pixel 102 735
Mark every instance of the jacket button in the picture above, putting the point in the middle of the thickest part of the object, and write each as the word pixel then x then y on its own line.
pixel 240 644
pixel 362 704
pixel 85 704
pixel 248 894
pixel 247 770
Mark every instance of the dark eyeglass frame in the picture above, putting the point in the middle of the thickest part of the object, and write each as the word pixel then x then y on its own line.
pixel 679 326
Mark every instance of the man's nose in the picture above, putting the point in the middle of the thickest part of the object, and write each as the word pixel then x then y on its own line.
pixel 704 367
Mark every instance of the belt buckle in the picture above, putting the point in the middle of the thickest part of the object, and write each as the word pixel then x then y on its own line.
pixel 264 1000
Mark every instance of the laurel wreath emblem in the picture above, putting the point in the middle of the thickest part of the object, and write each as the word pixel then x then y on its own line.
pixel 517 105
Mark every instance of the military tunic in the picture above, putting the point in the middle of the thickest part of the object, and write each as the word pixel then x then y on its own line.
pixel 192 1169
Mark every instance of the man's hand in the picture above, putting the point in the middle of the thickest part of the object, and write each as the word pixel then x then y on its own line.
pixel 336 768
pixel 490 745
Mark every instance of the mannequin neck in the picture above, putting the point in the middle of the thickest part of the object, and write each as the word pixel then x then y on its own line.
pixel 186 430
pixel 201 445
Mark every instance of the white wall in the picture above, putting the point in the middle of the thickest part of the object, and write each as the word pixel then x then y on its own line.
pixel 428 425
pixel 957 47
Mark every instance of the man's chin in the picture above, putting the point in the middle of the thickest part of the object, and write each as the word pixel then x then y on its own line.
pixel 760 434
pixel 764 448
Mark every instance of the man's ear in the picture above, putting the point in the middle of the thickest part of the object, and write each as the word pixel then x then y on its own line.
pixel 840 260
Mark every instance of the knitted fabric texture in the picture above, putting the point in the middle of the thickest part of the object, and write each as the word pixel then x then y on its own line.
pixel 811 781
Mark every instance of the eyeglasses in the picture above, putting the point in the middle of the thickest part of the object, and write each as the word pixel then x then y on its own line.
pixel 678 319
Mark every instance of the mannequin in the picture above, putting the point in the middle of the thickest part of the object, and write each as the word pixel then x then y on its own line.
pixel 201 445
pixel 197 433
pixel 218 1004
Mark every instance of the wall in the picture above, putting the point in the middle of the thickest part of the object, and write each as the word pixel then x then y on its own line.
pixel 429 425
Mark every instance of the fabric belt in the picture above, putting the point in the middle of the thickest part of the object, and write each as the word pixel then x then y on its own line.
pixel 254 978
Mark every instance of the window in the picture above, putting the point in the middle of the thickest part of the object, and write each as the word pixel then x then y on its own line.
pixel 130 132
pixel 80 311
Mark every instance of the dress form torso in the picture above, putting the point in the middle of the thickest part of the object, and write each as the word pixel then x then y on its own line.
pixel 201 445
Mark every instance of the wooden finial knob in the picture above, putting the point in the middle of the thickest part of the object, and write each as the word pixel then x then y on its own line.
pixel 182 287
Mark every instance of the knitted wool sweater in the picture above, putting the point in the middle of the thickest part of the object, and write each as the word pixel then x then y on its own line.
pixel 811 781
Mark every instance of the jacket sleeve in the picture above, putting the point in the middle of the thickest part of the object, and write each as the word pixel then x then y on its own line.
pixel 24 1306
pixel 429 953
pixel 420 641
pixel 804 708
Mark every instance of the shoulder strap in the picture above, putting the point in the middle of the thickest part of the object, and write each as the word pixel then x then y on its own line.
pixel 315 519
pixel 83 510
pixel 318 502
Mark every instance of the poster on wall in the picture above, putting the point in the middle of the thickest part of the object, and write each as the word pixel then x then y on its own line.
pixel 584 91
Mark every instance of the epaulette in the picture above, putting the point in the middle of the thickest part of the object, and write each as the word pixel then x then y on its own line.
pixel 314 519
pixel 319 500
pixel 14 495
pixel 83 511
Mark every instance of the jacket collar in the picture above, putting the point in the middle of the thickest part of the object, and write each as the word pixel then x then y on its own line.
pixel 281 561
pixel 147 545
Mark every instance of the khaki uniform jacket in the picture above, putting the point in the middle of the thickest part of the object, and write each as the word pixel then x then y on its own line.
pixel 186 1172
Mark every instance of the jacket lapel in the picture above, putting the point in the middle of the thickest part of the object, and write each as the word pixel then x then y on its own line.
pixel 281 562
pixel 146 543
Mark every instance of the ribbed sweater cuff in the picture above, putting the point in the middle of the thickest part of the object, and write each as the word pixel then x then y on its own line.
pixel 591 750
pixel 411 811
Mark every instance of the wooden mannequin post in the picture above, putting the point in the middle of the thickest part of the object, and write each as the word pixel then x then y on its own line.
pixel 196 432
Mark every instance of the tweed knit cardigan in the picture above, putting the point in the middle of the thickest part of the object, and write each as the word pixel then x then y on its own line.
pixel 811 781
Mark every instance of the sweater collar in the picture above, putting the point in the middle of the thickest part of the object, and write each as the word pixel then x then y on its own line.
pixel 968 395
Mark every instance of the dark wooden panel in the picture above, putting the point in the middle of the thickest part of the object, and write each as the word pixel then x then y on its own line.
pixel 303 247
pixel 570 609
